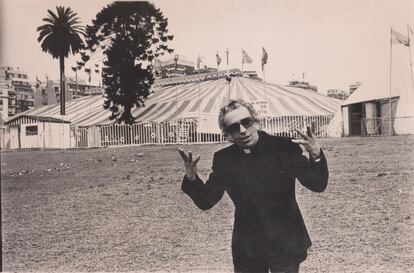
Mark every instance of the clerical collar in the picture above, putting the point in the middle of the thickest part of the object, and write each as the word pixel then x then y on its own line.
pixel 254 148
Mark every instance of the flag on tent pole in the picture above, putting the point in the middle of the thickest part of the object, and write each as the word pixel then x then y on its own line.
pixel 218 59
pixel 176 57
pixel 38 82
pixel 198 62
pixel 227 56
pixel 409 30
pixel 264 58
pixel 246 58
pixel 88 71
pixel 398 38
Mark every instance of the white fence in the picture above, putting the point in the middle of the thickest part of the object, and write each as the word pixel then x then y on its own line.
pixel 186 131
pixel 172 132
pixel 180 132
pixel 285 126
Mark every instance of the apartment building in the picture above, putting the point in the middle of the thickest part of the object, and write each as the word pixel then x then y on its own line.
pixel 338 94
pixel 20 92
pixel 7 96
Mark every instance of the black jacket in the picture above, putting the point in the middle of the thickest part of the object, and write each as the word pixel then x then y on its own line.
pixel 262 187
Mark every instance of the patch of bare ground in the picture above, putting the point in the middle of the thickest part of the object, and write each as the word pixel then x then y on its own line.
pixel 122 209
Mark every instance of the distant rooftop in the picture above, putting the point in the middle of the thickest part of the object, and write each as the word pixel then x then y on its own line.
pixel 203 77
pixel 303 84
pixel 179 62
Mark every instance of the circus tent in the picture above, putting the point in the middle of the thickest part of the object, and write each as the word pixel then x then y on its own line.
pixel 178 110
pixel 199 99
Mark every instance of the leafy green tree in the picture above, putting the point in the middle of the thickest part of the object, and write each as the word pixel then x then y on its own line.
pixel 130 35
pixel 60 36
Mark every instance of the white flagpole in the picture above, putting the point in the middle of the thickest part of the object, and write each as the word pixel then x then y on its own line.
pixel 218 84
pixel 242 63
pixel 411 64
pixel 390 101
pixel 263 65
pixel 218 65
pixel 227 60
pixel 228 75
pixel 264 80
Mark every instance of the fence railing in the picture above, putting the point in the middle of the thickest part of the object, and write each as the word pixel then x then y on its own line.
pixel 285 126
pixel 386 126
pixel 172 132
pixel 188 130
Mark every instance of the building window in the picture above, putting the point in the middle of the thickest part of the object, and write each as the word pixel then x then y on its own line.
pixel 31 130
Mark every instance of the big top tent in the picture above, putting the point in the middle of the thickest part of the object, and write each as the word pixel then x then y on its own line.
pixel 199 98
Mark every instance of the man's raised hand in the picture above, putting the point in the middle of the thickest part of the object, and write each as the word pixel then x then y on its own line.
pixel 190 164
pixel 308 140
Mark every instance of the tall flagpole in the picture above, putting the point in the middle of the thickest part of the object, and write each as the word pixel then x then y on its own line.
pixel 264 81
pixel 242 63
pixel 411 64
pixel 390 101
pixel 199 101
pixel 218 81
pixel 228 75
pixel 227 60
pixel 263 64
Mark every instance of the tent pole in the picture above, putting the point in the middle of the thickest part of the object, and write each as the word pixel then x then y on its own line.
pixel 219 93
pixel 242 63
pixel 229 90
pixel 228 75
pixel 390 101
pixel 411 64
pixel 199 104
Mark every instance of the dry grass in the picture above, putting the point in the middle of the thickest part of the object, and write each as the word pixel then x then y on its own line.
pixel 121 209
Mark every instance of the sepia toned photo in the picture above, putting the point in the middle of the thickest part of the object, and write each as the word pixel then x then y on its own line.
pixel 207 136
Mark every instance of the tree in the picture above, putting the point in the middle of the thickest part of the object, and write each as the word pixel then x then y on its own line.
pixel 59 37
pixel 131 35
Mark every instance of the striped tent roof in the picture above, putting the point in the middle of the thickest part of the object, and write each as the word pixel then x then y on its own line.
pixel 200 98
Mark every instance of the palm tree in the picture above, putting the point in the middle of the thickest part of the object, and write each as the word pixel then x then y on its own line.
pixel 60 36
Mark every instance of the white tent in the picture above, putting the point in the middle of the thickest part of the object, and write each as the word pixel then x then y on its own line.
pixel 384 111
pixel 200 99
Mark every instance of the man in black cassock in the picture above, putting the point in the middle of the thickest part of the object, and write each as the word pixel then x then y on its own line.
pixel 258 172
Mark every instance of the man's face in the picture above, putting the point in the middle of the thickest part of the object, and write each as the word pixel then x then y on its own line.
pixel 242 131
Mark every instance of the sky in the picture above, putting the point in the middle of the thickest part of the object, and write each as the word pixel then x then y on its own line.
pixel 331 43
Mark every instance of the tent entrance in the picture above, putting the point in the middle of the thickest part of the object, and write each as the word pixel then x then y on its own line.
pixel 355 115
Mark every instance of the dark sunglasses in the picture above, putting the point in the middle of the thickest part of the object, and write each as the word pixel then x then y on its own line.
pixel 235 127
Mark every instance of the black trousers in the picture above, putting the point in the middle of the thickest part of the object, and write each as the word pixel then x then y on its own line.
pixel 265 264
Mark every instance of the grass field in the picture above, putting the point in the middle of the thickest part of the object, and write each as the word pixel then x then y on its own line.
pixel 122 209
